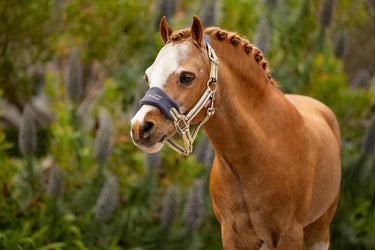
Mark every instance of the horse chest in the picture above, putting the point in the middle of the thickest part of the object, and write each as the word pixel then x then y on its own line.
pixel 255 191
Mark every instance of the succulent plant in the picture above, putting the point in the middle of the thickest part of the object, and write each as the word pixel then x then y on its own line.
pixel 271 3
pixel 102 143
pixel 107 200
pixel 208 13
pixel 27 138
pixel 262 36
pixel 362 79
pixel 56 183
pixel 74 82
pixel 170 207
pixel 153 161
pixel 326 9
pixel 341 44
pixel 369 141
pixel 166 8
pixel 194 208
pixel 204 152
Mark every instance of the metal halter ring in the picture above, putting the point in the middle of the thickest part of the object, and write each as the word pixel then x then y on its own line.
pixel 214 83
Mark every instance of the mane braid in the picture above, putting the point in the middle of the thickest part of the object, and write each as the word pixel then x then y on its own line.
pixel 235 40
pixel 248 48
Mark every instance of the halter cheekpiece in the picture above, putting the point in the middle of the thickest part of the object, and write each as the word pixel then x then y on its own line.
pixel 157 97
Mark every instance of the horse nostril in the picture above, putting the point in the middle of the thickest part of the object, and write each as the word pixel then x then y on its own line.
pixel 148 129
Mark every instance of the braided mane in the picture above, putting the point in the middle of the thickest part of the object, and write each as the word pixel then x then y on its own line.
pixel 235 40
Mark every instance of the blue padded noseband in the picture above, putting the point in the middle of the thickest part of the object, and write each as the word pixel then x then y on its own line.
pixel 157 97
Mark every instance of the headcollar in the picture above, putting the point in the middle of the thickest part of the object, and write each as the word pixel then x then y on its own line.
pixel 157 97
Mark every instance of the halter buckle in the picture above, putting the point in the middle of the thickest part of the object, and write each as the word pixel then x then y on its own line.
pixel 185 125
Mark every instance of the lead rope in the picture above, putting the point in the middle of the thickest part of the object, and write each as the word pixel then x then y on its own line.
pixel 182 122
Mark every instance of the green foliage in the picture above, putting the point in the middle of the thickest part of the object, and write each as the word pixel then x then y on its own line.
pixel 79 205
pixel 25 45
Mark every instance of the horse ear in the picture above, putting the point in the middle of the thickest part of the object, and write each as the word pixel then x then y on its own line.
pixel 197 29
pixel 165 30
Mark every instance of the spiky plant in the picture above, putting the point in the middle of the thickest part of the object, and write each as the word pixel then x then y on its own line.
pixel 170 207
pixel 325 14
pixel 271 3
pixel 107 200
pixel 209 13
pixel 262 36
pixel 55 190
pixel 194 208
pixel 341 44
pixel 56 183
pixel 27 138
pixel 74 87
pixel 102 144
pixel 362 79
pixel 200 148
pixel 369 141
pixel 153 161
pixel 74 83
pixel 204 152
pixel 166 8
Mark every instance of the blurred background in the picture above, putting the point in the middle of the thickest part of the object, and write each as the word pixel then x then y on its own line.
pixel 71 78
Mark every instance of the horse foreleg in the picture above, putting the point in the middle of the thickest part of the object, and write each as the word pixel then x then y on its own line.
pixel 317 233
pixel 233 240
pixel 237 233
pixel 291 238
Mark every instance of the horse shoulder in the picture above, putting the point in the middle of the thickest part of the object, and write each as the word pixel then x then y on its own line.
pixel 316 112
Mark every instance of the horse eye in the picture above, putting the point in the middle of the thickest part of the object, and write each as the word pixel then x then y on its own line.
pixel 187 77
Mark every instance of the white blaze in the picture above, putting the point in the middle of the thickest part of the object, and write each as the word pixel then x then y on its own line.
pixel 165 64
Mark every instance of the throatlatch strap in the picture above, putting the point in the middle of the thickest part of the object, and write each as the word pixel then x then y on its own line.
pixel 182 123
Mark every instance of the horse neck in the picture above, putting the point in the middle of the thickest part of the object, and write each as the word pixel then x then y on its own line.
pixel 247 104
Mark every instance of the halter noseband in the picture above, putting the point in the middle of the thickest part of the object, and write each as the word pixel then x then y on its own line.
pixel 157 97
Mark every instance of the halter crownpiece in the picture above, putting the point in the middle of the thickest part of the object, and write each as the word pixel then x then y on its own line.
pixel 157 97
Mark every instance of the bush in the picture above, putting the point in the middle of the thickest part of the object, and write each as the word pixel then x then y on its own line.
pixel 84 185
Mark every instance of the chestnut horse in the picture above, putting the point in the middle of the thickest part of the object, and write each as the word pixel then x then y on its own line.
pixel 275 179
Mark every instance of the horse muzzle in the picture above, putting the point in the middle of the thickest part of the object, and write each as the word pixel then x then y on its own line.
pixel 149 129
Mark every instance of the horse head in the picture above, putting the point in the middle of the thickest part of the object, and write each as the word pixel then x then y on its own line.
pixel 176 81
